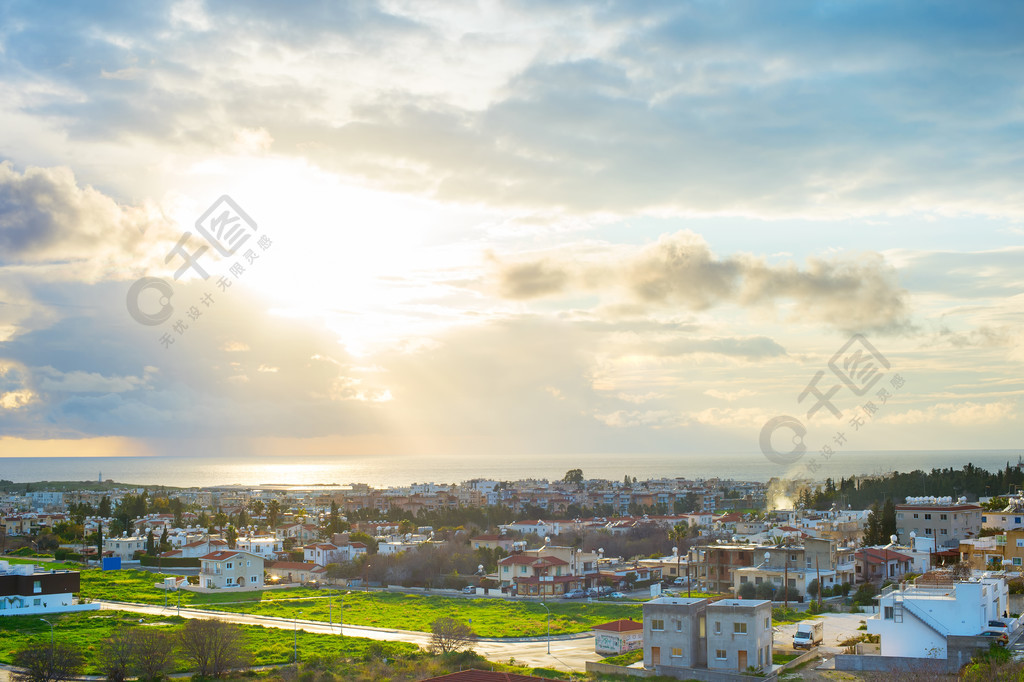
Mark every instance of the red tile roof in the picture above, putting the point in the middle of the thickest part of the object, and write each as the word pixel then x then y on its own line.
pixel 620 626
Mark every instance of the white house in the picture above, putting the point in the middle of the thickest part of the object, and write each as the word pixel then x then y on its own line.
pixel 914 620
pixel 265 546
pixel 29 589
pixel 231 569
pixel 125 547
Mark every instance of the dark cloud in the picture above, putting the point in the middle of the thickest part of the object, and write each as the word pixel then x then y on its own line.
pixel 46 216
pixel 858 293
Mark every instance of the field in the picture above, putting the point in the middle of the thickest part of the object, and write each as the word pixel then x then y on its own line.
pixel 487 617
pixel 269 646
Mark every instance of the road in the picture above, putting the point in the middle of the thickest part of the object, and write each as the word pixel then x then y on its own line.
pixel 568 652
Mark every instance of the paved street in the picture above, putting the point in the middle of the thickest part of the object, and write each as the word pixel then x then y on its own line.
pixel 568 654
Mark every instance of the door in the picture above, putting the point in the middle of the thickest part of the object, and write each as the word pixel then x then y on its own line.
pixel 743 660
pixel 655 655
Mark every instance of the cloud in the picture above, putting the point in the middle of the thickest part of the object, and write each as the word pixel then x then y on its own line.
pixel 962 414
pixel 729 396
pixel 856 293
pixel 45 217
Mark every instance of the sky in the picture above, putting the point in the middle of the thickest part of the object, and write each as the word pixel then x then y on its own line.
pixel 497 228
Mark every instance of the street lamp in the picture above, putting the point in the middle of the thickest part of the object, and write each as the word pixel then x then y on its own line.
pixel 295 638
pixel 549 625
pixel 51 643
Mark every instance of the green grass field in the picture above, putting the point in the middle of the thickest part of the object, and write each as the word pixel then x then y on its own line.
pixel 490 617
pixel 268 645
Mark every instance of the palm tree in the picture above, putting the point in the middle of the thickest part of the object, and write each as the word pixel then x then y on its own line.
pixel 273 513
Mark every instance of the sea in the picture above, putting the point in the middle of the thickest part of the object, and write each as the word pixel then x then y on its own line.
pixel 391 470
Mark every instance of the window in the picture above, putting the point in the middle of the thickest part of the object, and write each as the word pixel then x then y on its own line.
pixel 703 626
pixel 943 532
pixel 1016 561
pixel 758 579
pixel 657 624
pixel 743 579
pixel 37 586
pixel 888 613
pixel 720 654
pixel 766 625
pixel 943 517
pixel 252 579
pixel 248 563
pixel 677 652
pixel 230 581
pixel 739 628
pixel 229 565
pixel 679 625
pixel 899 515
pixel 718 627
pixel 915 516
pixel 927 517
pixel 927 531
pixel 37 601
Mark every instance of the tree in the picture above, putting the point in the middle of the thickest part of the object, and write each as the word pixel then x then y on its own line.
pixel 165 541
pixel 45 663
pixel 747 590
pixel 231 536
pixel 99 542
pixel 812 588
pixel 448 635
pixel 334 523
pixel 213 646
pixel 150 543
pixel 273 513
pixel 873 531
pixel 888 520
pixel 115 655
pixel 573 476
pixel 104 509
pixel 406 526
pixel 371 544
pixel 153 653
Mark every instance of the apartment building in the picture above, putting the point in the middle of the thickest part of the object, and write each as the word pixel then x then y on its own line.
pixel 947 520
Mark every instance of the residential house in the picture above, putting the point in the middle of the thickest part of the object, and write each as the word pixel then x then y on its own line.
pixel 797 566
pixel 916 619
pixel 125 547
pixel 30 589
pixel 231 569
pixel 881 564
pixel 265 545
pixel 491 542
pixel 296 572
pixel 675 632
pixel 618 637
pixel 682 634
pixel 739 634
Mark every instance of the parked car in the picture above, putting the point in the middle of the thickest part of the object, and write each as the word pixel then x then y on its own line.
pixel 681 581
pixel 468 589
pixel 617 595
pixel 998 625
pixel 604 591
pixel 1000 638
pixel 592 592
pixel 574 594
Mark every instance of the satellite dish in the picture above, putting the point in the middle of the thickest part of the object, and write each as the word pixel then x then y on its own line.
pixel 894 539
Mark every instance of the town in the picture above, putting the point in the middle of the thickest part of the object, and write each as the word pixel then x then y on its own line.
pixel 687 579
